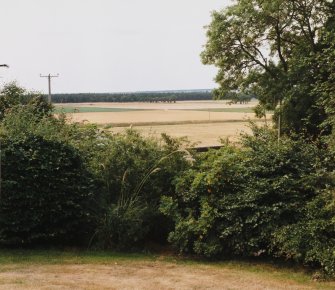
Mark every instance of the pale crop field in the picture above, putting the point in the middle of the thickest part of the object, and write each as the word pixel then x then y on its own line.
pixel 204 123
pixel 202 134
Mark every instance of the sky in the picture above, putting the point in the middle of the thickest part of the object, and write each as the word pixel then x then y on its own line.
pixel 106 45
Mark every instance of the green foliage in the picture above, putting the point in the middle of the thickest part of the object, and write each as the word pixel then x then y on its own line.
pixel 244 201
pixel 122 226
pixel 199 208
pixel 25 120
pixel 164 96
pixel 13 96
pixel 274 50
pixel 311 240
pixel 136 172
pixel 47 197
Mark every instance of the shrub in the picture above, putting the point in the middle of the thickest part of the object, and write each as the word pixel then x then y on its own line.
pixel 48 197
pixel 261 199
pixel 205 208
pixel 122 226
pixel 136 172
pixel 311 240
pixel 12 96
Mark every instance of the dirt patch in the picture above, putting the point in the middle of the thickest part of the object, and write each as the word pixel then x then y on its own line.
pixel 138 275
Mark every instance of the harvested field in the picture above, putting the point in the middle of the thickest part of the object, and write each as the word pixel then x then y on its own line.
pixel 159 116
pixel 182 105
pixel 206 134
pixel 202 122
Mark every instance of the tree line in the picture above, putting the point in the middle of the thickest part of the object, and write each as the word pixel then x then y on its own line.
pixel 132 97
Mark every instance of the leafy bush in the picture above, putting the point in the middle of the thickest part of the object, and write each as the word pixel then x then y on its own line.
pixel 202 223
pixel 311 240
pixel 255 200
pixel 136 172
pixel 48 197
pixel 284 178
pixel 12 96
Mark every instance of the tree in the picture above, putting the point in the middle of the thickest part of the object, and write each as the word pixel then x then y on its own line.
pixel 269 48
pixel 325 86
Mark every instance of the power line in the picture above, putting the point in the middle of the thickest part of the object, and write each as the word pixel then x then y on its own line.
pixel 49 76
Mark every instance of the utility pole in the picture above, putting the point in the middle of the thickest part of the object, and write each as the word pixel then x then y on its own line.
pixel 49 76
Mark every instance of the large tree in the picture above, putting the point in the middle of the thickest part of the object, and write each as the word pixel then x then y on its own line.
pixel 270 47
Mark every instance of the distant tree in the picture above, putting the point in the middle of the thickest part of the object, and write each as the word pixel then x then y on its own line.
pixel 133 97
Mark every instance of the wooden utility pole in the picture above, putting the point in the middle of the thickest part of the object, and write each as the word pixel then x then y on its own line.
pixel 49 76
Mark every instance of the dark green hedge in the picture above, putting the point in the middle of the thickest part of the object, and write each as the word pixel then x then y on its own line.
pixel 47 196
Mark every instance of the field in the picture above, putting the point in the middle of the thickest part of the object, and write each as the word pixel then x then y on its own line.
pixel 202 122
pixel 96 271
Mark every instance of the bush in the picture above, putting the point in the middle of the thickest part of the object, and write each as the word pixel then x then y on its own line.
pixel 311 240
pixel 206 207
pixel 136 172
pixel 48 197
pixel 12 96
pixel 261 199
pixel 122 226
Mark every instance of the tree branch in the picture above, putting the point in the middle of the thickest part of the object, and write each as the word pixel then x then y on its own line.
pixel 254 59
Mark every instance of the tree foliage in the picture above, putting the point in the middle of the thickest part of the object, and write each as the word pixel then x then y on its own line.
pixel 166 96
pixel 270 48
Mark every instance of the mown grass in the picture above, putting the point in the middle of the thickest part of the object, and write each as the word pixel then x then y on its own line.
pixel 67 257
pixel 262 269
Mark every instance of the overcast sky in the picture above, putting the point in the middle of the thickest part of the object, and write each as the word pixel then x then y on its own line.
pixel 106 45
